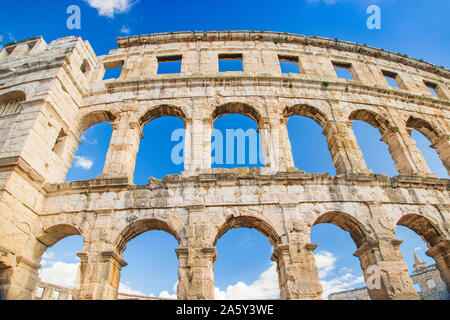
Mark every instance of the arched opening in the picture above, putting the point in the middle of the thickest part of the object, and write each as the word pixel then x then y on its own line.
pixel 59 270
pixel 161 151
pixel 375 152
pixel 89 160
pixel 243 270
pixel 338 236
pixel 148 246
pixel 15 95
pixel 236 140
pixel 308 144
pixel 423 134
pixel 95 136
pixel 418 235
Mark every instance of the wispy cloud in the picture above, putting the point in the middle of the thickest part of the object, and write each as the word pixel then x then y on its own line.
pixel 125 29
pixel 84 163
pixel 86 140
pixel 109 8
pixel 326 263
pixel 343 282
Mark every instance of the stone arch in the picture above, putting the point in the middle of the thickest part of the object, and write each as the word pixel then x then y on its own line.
pixel 137 228
pixel 251 222
pixel 164 110
pixel 90 119
pixel 239 108
pixel 347 223
pixel 53 234
pixel 306 111
pixel 424 227
pixel 15 95
pixel 423 126
pixel 371 117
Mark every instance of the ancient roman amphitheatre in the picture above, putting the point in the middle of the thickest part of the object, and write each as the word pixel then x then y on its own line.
pixel 50 93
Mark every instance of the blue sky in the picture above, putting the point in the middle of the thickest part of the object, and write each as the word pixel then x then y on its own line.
pixel 418 28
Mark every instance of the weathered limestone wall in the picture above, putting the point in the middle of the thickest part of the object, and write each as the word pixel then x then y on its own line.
pixel 51 93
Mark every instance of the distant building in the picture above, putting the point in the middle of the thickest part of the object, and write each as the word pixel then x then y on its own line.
pixel 48 291
pixel 426 279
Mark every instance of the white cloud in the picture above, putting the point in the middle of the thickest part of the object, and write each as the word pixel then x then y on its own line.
pixel 1 37
pixel 85 139
pixel 60 273
pixel 325 263
pixel 109 8
pixel 48 255
pixel 266 287
pixel 123 288
pixel 344 282
pixel 125 29
pixel 64 274
pixel 167 295
pixel 82 162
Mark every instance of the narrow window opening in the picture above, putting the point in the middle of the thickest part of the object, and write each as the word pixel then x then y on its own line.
pixel 60 143
pixel 85 67
pixel 392 79
pixel 343 70
pixel 431 284
pixel 417 287
pixel 289 64
pixel 113 70
pixel 433 87
pixel 40 292
pixel 230 62
pixel 169 64
pixel 56 295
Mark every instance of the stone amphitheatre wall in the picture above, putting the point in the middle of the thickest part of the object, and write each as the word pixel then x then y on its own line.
pixel 51 93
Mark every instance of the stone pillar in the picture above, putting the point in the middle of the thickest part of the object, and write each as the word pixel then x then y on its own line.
pixel 197 150
pixel 124 146
pixel 284 145
pixel 19 281
pixel 270 155
pixel 99 276
pixel 407 157
pixel 275 145
pixel 442 146
pixel 196 258
pixel 441 254
pixel 345 152
pixel 196 273
pixel 385 272
pixel 298 276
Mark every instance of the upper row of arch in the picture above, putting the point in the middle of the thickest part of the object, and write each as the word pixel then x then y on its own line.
pixel 369 115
